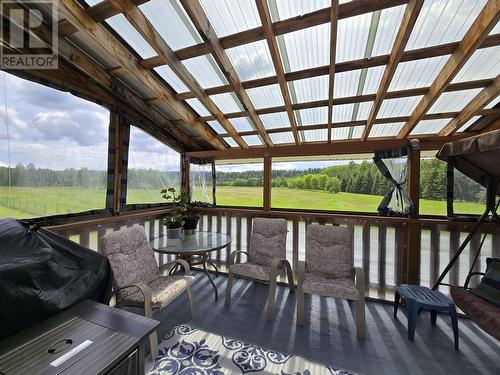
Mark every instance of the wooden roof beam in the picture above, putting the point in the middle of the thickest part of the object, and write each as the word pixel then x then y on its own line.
pixel 76 15
pixel 202 24
pixel 475 106
pixel 479 30
pixel 265 18
pixel 334 16
pixel 140 22
pixel 408 22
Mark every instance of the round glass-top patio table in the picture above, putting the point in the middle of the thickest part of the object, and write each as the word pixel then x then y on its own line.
pixel 194 248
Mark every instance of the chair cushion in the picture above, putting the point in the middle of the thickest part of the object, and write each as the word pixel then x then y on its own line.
pixel 268 241
pixel 486 315
pixel 489 287
pixel 329 251
pixel 132 259
pixel 251 270
pixel 330 287
pixel 164 289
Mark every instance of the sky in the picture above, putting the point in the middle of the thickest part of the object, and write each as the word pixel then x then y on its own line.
pixel 57 130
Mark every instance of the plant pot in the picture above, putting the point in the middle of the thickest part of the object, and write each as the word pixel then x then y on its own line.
pixel 174 231
pixel 191 224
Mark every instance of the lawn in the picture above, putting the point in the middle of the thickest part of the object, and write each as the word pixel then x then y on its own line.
pixel 24 202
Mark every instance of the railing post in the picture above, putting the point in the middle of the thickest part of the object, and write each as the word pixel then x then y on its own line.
pixel 267 182
pixel 413 227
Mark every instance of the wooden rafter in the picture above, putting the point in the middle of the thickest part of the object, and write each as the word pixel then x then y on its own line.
pixel 481 27
pixel 473 108
pixel 495 125
pixel 417 54
pixel 206 31
pixel 80 19
pixel 265 18
pixel 140 22
pixel 408 22
pixel 334 16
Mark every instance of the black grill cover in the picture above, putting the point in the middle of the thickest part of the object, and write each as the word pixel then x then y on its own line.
pixel 42 273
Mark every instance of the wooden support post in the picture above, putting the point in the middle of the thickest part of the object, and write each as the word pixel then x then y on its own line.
pixel 413 237
pixel 267 182
pixel 117 122
pixel 185 164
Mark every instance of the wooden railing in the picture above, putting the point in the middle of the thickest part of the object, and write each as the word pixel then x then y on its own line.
pixel 380 243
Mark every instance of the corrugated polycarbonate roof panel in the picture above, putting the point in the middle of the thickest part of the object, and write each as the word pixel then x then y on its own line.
pixel 372 80
pixel 214 124
pixel 306 48
pixel 241 124
pixel 493 103
pixel 342 113
pixel 227 102
pixel 340 133
pixel 198 107
pixel 252 60
pixel 121 25
pixel 386 130
pixel 483 64
pixel 319 135
pixel 346 83
pixel 171 78
pixel 443 21
pixel 363 111
pixel 171 21
pixel 398 107
pixel 284 9
pixel 252 140
pixel 417 73
pixel 275 120
pixel 465 126
pixel 388 26
pixel 231 16
pixel 357 132
pixel 352 36
pixel 266 96
pixel 312 116
pixel 205 70
pixel 453 101
pixel 430 126
pixel 309 89
pixel 280 138
pixel 230 141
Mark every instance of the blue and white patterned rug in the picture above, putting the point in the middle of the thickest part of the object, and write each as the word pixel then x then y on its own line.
pixel 191 351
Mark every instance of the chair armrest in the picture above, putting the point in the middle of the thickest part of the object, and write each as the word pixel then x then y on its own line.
pixel 275 264
pixel 181 262
pixel 233 255
pixel 146 292
pixel 359 275
pixel 469 276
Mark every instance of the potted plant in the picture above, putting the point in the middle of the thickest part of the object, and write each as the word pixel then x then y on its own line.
pixel 174 219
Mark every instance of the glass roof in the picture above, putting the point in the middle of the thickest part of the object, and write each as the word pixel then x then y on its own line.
pixel 398 107
pixel 252 140
pixel 206 71
pixel 417 73
pixel 309 89
pixel 386 130
pixel 266 96
pixel 465 126
pixel 430 126
pixel 198 107
pixel 171 78
pixel 230 141
pixel 252 60
pixel 227 102
pixel 231 16
pixel 275 120
pixel 214 124
pixel 312 116
pixel 319 135
pixel 453 101
pixel 443 21
pixel 179 31
pixel 279 138
pixel 241 124
pixel 483 64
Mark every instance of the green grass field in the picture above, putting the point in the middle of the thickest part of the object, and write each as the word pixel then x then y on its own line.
pixel 23 202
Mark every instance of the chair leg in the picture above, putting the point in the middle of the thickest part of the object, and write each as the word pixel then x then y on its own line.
pixel 412 311
pixel 229 286
pixel 270 300
pixel 360 318
pixel 396 304
pixel 300 307
pixel 433 317
pixel 454 324
pixel 191 302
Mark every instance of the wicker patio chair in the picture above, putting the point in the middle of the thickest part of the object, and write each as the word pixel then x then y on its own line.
pixel 266 259
pixel 137 279
pixel 329 270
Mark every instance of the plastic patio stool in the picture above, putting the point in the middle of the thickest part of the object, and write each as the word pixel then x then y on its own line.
pixel 422 298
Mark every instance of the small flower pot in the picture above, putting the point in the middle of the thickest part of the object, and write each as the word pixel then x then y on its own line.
pixel 191 224
pixel 174 231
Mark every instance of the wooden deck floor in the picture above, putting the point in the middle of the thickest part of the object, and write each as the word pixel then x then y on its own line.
pixel 330 336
